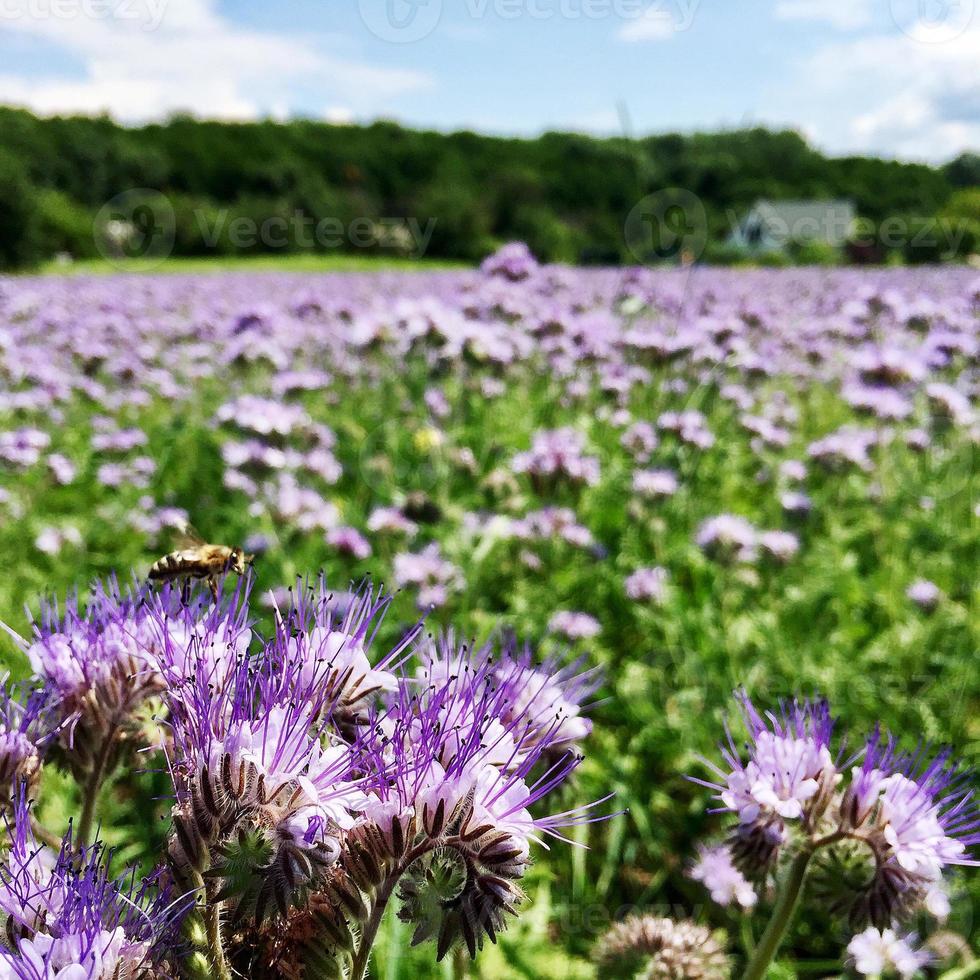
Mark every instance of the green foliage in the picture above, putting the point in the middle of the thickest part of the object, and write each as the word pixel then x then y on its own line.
pixel 19 244
pixel 568 195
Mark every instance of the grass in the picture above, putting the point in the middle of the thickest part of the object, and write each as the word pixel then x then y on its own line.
pixel 300 262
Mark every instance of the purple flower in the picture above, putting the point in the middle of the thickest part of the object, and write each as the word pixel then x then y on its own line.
pixel 264 416
pixel 716 870
pixel 793 470
pixel 647 583
pixel 73 920
pixel 23 447
pixel 475 730
pixel 655 483
pixel 640 439
pixel 392 520
pixel 728 537
pixel 779 545
pixel 436 402
pixel 513 262
pixel 349 541
pixel 51 540
pixel 925 594
pixel 28 722
pixel 795 502
pixel 880 953
pixel 557 454
pixel 690 426
pixel 321 649
pixel 949 403
pixel 94 661
pixel 62 468
pixel 848 446
pixel 788 766
pixel 119 441
pixel 574 625
pixel 919 815
pixel 553 522
pixel 433 576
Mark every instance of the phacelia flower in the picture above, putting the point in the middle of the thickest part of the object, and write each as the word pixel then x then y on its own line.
pixel 647 584
pixel 728 537
pixel 925 594
pixel 716 870
pixel 918 816
pixel 558 454
pixel 71 920
pixel 433 576
pixel 574 625
pixel 789 765
pixel 882 953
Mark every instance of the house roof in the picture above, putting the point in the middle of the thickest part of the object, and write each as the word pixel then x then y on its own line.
pixel 828 221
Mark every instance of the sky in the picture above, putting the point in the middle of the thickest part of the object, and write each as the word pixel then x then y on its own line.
pixel 895 78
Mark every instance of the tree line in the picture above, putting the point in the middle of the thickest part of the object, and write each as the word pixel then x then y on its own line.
pixel 567 195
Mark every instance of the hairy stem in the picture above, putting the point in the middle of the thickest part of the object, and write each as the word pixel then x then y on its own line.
pixel 461 965
pixel 782 916
pixel 211 914
pixel 92 788
pixel 370 933
pixel 381 900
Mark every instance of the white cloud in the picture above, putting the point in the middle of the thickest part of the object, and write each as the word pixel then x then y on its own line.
pixel 655 24
pixel 845 15
pixel 893 95
pixel 339 115
pixel 181 55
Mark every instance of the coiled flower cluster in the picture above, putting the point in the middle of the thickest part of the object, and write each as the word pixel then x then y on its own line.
pixel 67 916
pixel 872 835
pixel 316 781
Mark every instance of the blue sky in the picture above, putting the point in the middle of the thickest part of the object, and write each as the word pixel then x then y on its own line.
pixel 892 77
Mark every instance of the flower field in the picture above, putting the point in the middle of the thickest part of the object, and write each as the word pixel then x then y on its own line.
pixel 693 480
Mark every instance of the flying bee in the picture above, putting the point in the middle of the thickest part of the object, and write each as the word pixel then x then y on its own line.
pixel 196 559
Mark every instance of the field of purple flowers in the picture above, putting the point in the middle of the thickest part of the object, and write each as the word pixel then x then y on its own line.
pixel 691 480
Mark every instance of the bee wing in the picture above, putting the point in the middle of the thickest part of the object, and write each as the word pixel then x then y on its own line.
pixel 186 537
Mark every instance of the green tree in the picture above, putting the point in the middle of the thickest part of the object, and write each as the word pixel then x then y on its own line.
pixel 19 213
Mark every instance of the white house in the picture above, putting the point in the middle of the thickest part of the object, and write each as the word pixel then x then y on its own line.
pixel 771 226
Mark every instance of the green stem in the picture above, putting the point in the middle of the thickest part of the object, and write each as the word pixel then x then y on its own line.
pixel 461 965
pixel 211 914
pixel 363 957
pixel 963 972
pixel 93 786
pixel 782 916
pixel 370 931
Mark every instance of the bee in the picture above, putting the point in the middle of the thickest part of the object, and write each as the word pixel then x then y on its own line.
pixel 197 559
